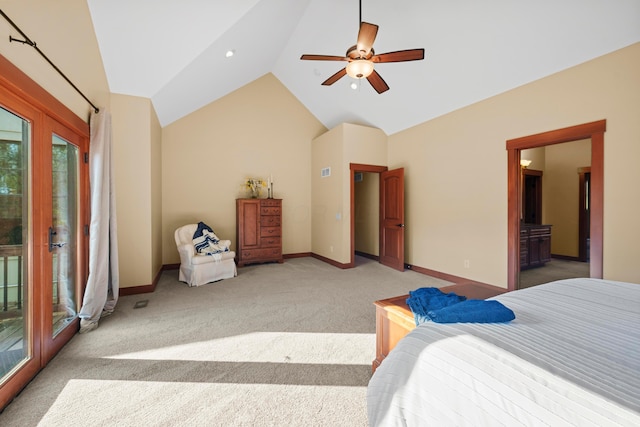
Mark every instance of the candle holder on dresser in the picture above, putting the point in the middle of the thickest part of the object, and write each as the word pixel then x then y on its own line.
pixel 270 187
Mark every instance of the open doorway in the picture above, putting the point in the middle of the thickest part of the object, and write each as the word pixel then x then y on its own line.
pixel 390 209
pixel 593 131
pixel 549 230
pixel 367 214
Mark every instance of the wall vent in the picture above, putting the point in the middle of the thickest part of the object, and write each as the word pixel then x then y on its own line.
pixel 325 172
pixel 358 177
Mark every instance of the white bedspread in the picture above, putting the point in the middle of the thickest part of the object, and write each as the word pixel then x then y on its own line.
pixel 571 357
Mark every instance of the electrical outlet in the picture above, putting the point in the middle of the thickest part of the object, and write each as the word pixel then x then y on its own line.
pixel 466 263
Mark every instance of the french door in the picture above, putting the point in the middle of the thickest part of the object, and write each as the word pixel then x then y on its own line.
pixel 43 247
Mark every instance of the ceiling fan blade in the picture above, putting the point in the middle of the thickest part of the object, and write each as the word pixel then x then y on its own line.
pixel 337 76
pixel 399 56
pixel 366 37
pixel 377 82
pixel 324 58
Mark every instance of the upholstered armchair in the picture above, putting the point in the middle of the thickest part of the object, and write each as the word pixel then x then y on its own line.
pixel 197 268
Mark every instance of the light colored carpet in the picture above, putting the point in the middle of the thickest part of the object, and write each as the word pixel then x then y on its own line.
pixel 556 269
pixel 281 344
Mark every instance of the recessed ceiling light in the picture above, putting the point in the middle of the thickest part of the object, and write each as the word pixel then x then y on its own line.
pixel 230 53
pixel 354 85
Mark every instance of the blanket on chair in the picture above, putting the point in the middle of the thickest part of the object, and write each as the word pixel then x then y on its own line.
pixel 206 242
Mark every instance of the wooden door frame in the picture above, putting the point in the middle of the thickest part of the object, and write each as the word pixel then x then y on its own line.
pixel 27 96
pixel 353 168
pixel 595 132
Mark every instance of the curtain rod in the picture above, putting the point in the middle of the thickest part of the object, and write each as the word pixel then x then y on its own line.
pixel 31 43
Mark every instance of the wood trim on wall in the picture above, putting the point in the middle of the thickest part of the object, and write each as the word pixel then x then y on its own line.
pixel 595 132
pixel 366 255
pixel 145 289
pixel 296 255
pixel 457 280
pixel 330 261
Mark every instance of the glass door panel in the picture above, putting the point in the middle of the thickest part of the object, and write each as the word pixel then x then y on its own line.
pixel 44 195
pixel 63 234
pixel 15 346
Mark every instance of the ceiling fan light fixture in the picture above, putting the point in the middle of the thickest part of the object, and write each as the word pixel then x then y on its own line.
pixel 359 68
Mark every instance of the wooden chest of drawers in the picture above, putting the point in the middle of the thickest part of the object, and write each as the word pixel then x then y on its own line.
pixel 535 245
pixel 258 230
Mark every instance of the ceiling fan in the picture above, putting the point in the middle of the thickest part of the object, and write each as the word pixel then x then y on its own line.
pixel 361 58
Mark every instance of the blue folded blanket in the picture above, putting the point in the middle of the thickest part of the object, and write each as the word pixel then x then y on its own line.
pixel 423 300
pixel 473 311
pixel 431 304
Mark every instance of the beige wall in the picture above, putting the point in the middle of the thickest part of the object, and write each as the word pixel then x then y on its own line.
pixel 456 168
pixel 136 140
pixel 455 165
pixel 561 193
pixel 328 211
pixel 156 191
pixel 537 157
pixel 338 148
pixel 257 131
pixel 72 48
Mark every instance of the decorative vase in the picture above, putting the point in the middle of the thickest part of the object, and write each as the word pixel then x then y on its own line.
pixel 255 193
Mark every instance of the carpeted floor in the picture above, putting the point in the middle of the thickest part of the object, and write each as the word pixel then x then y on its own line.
pixel 556 269
pixel 281 344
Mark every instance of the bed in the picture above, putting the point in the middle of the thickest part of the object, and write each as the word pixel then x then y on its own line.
pixel 571 357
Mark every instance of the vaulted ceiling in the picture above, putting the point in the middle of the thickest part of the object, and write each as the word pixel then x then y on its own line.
pixel 173 51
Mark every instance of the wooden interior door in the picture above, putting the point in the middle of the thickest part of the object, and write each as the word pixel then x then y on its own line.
pixel 532 196
pixel 392 218
pixel 584 213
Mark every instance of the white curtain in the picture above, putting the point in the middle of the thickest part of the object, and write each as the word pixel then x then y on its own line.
pixel 101 293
